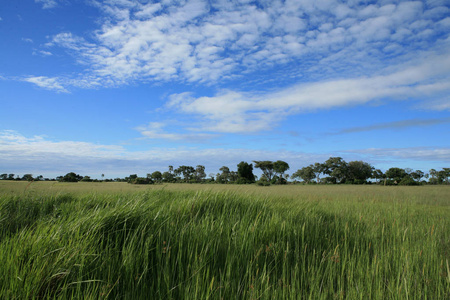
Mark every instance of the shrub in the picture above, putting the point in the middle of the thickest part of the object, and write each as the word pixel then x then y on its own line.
pixel 408 181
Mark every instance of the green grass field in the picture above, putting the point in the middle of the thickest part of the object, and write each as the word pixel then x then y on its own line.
pixel 182 241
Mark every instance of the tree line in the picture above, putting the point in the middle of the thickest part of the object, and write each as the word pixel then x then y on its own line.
pixel 335 170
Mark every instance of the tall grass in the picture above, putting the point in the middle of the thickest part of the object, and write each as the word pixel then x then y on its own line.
pixel 163 244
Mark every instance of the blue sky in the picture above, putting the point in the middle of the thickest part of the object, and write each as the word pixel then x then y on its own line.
pixel 121 86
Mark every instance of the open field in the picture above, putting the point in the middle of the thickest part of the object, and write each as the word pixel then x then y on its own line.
pixel 182 241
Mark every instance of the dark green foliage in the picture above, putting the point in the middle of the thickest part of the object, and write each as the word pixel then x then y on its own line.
pixel 407 180
pixel 337 169
pixel 359 171
pixel 245 173
pixel 307 174
pixel 141 180
pixel 71 177
pixel 396 174
pixel 266 167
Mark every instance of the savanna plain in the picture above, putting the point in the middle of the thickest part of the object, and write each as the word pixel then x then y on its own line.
pixel 198 241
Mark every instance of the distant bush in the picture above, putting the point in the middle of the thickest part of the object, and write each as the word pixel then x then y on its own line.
pixel 263 182
pixel 141 180
pixel 408 181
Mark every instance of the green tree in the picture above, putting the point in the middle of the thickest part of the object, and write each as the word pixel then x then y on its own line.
pixel 131 178
pixel 279 167
pixel 168 177
pixel 306 174
pixel 245 172
pixel 378 175
pixel 417 175
pixel 86 179
pixel 318 169
pixel 396 174
pixel 443 175
pixel 27 177
pixel 359 171
pixel 3 176
pixel 336 168
pixel 186 171
pixel 71 177
pixel 156 176
pixel 266 167
pixel 199 173
pixel 224 176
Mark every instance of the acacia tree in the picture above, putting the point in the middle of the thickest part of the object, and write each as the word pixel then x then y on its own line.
pixel 224 176
pixel 306 174
pixel 279 167
pixel 199 173
pixel 168 177
pixel 27 177
pixel 266 167
pixel 378 175
pixel 417 175
pixel 187 172
pixel 318 169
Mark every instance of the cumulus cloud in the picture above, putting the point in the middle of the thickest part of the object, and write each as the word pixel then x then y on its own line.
pixel 207 41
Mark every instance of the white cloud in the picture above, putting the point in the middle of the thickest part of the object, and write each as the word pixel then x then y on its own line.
pixel 407 154
pixel 42 53
pixel 232 111
pixel 53 84
pixel 155 130
pixel 39 155
pixel 46 4
pixel 27 40
pixel 204 41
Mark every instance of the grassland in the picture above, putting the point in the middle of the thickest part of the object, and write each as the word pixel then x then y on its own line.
pixel 181 241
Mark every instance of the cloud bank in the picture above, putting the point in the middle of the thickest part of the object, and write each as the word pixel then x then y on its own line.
pixel 39 155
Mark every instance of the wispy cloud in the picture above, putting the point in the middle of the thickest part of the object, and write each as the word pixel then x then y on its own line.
pixel 396 125
pixel 436 154
pixel 155 130
pixel 42 53
pixel 53 84
pixel 232 111
pixel 46 4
